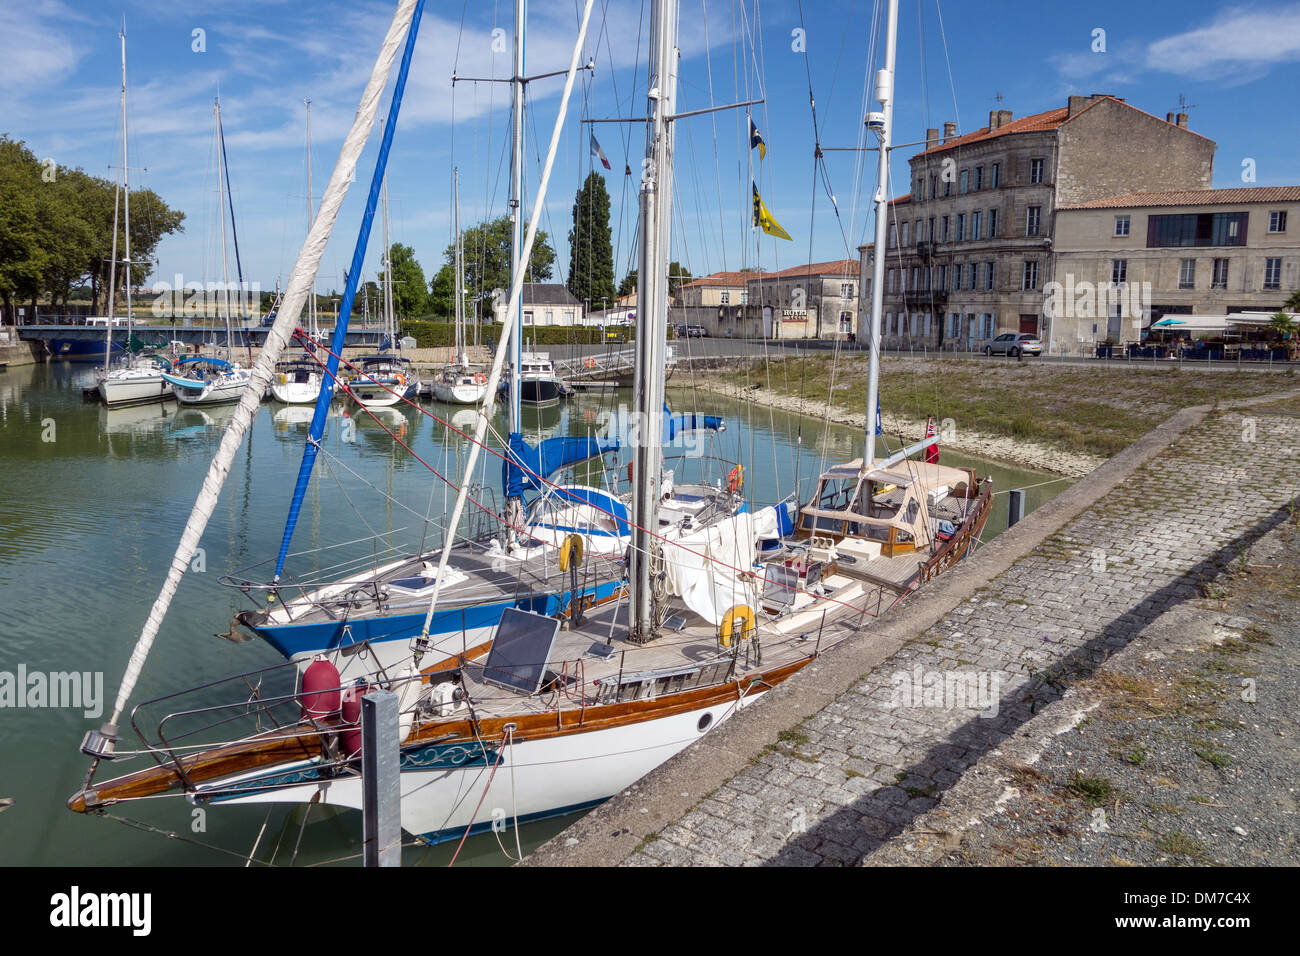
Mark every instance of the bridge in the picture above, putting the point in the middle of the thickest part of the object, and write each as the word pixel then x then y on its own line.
pixel 604 369
pixel 162 336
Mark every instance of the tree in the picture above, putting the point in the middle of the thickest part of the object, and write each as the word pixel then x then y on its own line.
pixel 442 292
pixel 678 276
pixel 486 248
pixel 628 285
pixel 591 253
pixel 1282 324
pixel 409 291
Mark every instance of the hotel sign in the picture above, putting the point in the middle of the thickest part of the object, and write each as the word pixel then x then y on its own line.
pixel 794 315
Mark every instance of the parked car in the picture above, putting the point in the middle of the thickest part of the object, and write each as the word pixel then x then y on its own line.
pixel 1014 344
pixel 695 331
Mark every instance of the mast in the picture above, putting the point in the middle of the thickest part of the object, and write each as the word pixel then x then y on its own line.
pixel 459 277
pixel 515 419
pixel 126 205
pixel 885 96
pixel 311 214
pixel 388 275
pixel 112 256
pixel 225 263
pixel 652 303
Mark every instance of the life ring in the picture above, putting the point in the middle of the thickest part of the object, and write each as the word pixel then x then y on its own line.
pixel 741 614
pixel 480 379
pixel 571 551
pixel 736 479
pixel 401 379
pixel 591 361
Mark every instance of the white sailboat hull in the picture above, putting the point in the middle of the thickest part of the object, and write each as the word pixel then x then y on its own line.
pixel 216 393
pixel 296 393
pixel 535 778
pixel 118 389
pixel 459 394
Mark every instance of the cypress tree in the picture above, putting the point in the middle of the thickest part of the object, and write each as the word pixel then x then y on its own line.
pixel 591 253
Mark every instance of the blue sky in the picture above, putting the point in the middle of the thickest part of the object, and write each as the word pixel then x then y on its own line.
pixel 1237 65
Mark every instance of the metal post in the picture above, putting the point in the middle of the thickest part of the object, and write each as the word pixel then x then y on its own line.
pixel 1015 506
pixel 381 795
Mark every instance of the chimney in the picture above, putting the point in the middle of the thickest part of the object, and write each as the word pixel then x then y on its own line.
pixel 1169 118
pixel 932 136
pixel 1077 103
pixel 1182 121
pixel 1004 117
pixel 949 131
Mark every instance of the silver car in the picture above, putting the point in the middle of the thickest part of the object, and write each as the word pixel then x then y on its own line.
pixel 1015 344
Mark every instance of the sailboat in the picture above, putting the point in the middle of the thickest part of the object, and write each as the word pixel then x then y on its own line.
pixel 459 383
pixel 139 377
pixel 385 378
pixel 575 706
pixel 200 380
pixel 297 382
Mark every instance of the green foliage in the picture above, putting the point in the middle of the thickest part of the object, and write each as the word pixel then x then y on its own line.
pixel 442 295
pixel 678 276
pixel 487 259
pixel 628 285
pixel 56 229
pixel 1282 324
pixel 410 295
pixel 591 253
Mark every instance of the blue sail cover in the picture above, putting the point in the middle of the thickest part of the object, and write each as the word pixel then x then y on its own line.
pixel 675 425
pixel 526 466
pixel 349 293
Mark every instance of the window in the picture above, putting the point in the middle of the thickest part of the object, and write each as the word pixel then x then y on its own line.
pixel 893 236
pixel 846 290
pixel 1030 280
pixel 954 324
pixel 947 187
pixel 1187 273
pixel 1219 279
pixel 925 280
pixel 941 277
pixel 1277 221
pixel 961 226
pixel 1118 271
pixel 965 180
pixel 979 178
pixel 927 323
pixel 975 224
pixel 1272 273
pixel 1035 171
pixel 907 233
pixel 970 279
pixel 1033 220
pixel 944 229
pixel 916 278
pixel 934 187
pixel 918 232
pixel 726 298
pixel 993 184
pixel 1121 225
pixel 993 221
pixel 528 317
pixel 988 276
pixel 1197 229
pixel 956 277
pixel 930 233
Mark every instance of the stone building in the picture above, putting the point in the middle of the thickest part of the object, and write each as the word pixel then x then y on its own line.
pixel 543 303
pixel 971 247
pixel 817 301
pixel 1124 262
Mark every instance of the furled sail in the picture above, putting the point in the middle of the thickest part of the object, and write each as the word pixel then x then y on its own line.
pixel 529 467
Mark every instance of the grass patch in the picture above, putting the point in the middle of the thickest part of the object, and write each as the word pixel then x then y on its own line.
pixel 1180 844
pixel 792 737
pixel 1094 791
pixel 1212 755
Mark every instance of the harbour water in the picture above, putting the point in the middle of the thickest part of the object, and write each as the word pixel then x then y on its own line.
pixel 93 502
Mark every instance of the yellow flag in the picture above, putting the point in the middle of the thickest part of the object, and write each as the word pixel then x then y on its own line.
pixel 763 219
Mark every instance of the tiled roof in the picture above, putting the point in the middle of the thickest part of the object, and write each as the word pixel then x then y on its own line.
pixel 548 293
pixel 1026 124
pixel 736 279
pixel 836 267
pixel 1195 197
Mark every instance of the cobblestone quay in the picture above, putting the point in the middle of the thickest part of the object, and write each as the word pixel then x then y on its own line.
pixel 845 755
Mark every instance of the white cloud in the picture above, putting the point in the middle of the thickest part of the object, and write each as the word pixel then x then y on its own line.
pixel 34 43
pixel 1238 43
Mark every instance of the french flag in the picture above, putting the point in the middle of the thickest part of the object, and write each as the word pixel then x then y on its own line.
pixel 599 153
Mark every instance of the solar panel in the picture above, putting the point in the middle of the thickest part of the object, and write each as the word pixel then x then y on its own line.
pixel 520 651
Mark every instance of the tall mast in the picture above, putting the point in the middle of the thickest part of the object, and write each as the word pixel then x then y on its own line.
pixel 459 276
pixel 126 201
pixel 221 203
pixel 885 96
pixel 112 256
pixel 652 304
pixel 388 275
pixel 515 418
pixel 311 214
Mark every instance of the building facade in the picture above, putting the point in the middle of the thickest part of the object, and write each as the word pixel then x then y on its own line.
pixel 817 301
pixel 970 249
pixel 1126 261
pixel 543 303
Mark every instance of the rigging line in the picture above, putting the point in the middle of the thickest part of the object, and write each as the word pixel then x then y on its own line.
pixel 173 835
pixel 952 85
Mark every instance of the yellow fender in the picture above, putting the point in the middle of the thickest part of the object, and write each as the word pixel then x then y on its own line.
pixel 571 551
pixel 742 615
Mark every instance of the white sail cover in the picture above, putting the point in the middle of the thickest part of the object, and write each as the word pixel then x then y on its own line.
pixel 706 570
